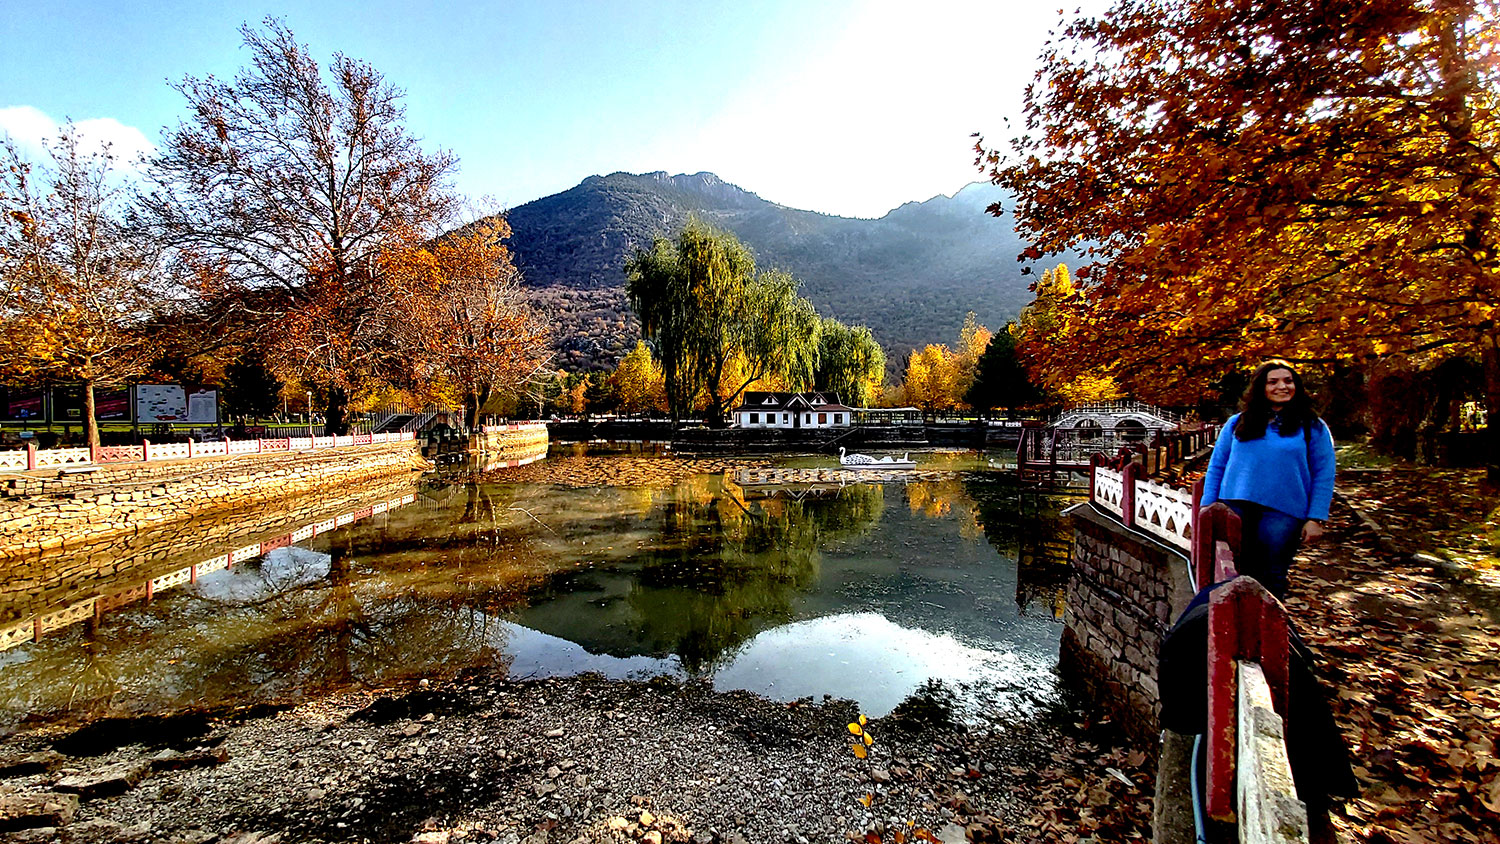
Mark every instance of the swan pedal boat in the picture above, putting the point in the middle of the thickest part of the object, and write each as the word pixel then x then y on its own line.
pixel 865 461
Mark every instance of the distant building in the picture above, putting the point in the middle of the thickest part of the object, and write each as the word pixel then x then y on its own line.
pixel 792 410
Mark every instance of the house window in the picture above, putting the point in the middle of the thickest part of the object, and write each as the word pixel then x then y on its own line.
pixel 786 418
pixel 807 418
pixel 838 418
pixel 822 419
pixel 755 419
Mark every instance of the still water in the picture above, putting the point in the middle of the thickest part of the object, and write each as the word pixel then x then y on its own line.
pixel 949 581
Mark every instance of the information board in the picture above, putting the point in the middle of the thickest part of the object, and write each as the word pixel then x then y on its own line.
pixel 160 403
pixel 203 407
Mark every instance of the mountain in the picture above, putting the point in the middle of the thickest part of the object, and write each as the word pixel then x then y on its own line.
pixel 910 275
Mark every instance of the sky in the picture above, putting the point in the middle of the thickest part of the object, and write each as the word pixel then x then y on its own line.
pixel 838 106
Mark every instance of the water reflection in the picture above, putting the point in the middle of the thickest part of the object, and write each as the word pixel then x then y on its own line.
pixel 864 591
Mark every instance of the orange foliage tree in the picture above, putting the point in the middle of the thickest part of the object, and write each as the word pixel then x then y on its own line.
pixel 292 186
pixel 464 322
pixel 1315 180
pixel 82 297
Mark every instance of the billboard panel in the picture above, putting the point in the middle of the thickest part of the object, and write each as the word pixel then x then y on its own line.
pixel 203 407
pixel 22 405
pixel 160 403
pixel 110 404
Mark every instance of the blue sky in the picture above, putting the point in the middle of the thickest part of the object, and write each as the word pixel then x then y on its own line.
pixel 832 105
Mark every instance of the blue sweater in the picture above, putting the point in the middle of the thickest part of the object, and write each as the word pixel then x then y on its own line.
pixel 1290 474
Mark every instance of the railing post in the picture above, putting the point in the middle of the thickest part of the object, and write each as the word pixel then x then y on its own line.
pixel 190 447
pixel 1127 497
pixel 30 456
pixel 260 445
pixel 1197 530
pixel 93 453
pixel 145 451
pixel 1244 623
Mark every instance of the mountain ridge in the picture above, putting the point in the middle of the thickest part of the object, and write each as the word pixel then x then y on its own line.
pixel 909 275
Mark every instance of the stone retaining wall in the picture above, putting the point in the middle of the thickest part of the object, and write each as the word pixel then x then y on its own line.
pixel 43 510
pixel 38 583
pixel 1125 590
pixel 518 443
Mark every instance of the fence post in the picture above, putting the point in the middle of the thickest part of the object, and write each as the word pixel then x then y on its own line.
pixel 260 445
pixel 190 447
pixel 93 453
pixel 30 456
pixel 1197 531
pixel 1244 623
pixel 145 451
pixel 1127 497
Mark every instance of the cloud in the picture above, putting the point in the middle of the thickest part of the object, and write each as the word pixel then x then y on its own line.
pixel 32 130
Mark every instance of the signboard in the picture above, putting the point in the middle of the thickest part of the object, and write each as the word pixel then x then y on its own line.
pixel 160 403
pixel 203 407
pixel 110 405
pixel 22 405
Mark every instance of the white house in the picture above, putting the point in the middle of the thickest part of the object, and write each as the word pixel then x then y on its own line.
pixel 792 410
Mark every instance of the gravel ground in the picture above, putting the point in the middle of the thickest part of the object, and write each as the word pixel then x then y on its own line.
pixel 557 760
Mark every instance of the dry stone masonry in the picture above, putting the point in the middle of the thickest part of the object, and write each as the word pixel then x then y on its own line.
pixel 1124 593
pixel 43 510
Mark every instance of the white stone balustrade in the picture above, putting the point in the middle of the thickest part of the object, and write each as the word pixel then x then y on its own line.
pixel 1165 512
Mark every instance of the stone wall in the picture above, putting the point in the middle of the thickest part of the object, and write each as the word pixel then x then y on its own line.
pixel 39 583
pixel 43 510
pixel 512 443
pixel 1125 590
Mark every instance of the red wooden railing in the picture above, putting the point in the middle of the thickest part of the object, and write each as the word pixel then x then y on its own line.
pixel 1245 623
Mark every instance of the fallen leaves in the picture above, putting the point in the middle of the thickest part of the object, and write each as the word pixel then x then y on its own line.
pixel 1413 663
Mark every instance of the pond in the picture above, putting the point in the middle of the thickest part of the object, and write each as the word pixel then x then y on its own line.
pixel 945 581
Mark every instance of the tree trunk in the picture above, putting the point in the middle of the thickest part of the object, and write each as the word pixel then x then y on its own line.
pixel 1490 355
pixel 90 423
pixel 337 424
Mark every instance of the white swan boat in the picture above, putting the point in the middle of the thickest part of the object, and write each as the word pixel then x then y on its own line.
pixel 865 461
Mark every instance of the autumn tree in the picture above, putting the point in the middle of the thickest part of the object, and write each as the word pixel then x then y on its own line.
pixel 1048 330
pixel 1315 180
pixel 639 382
pixel 850 363
pixel 293 185
pixel 84 297
pixel 716 324
pixel 464 322
pixel 931 379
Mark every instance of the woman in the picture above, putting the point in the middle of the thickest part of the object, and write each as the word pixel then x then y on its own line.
pixel 1273 466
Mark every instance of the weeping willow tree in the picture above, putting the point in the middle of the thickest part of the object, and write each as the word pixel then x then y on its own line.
pixel 716 325
pixel 850 362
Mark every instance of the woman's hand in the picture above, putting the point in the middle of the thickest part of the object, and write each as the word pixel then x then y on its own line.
pixel 1311 532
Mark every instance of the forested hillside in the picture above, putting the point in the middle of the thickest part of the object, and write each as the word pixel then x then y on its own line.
pixel 910 275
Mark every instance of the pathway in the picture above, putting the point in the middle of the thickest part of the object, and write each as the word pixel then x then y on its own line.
pixel 1412 652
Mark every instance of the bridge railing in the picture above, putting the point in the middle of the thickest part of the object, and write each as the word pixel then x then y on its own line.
pixel 30 457
pixel 1249 776
pixel 1249 652
pixel 1123 406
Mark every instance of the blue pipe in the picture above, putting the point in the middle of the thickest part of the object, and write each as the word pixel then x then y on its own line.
pixel 1198 829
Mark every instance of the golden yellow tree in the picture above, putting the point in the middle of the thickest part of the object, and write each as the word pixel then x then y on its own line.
pixel 640 382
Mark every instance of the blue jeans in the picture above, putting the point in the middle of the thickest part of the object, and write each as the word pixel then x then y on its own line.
pixel 1269 539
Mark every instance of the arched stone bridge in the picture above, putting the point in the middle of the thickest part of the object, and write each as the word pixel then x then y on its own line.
pixel 1123 417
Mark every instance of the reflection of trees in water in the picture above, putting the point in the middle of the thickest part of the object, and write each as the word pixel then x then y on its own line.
pixel 314 622
pixel 1025 525
pixel 725 566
